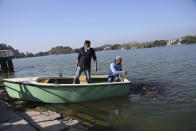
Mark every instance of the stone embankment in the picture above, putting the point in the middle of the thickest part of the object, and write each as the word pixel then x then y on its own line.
pixel 31 120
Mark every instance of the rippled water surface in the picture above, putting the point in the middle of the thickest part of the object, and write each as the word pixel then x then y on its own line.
pixel 162 96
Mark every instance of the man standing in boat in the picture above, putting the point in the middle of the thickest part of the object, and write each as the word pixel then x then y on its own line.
pixel 83 62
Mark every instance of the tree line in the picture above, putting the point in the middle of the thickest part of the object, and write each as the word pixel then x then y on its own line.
pixel 131 45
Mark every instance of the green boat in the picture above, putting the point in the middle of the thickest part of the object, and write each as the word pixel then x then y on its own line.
pixel 62 89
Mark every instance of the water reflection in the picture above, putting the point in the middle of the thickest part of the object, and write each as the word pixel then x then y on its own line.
pixel 93 113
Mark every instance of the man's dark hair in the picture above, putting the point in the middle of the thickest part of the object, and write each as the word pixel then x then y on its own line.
pixel 87 42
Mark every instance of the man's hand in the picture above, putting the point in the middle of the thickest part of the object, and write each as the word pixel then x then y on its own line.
pixel 124 72
pixel 76 68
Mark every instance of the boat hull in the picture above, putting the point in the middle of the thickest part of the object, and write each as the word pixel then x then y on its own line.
pixel 64 94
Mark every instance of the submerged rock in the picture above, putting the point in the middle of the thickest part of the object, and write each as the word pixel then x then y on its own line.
pixel 146 92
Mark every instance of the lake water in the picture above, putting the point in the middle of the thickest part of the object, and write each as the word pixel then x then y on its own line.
pixel 162 96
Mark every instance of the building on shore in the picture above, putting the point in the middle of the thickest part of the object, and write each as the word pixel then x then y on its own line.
pixel 170 42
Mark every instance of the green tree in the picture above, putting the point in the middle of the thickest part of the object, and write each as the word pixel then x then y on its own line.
pixel 188 40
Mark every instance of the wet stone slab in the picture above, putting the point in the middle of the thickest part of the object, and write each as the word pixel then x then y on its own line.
pixel 11 121
pixel 49 120
pixel 32 120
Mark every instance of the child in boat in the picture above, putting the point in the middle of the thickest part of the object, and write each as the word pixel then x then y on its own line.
pixel 116 70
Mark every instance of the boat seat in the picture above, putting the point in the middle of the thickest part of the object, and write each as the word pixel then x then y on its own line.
pixel 83 80
pixel 47 80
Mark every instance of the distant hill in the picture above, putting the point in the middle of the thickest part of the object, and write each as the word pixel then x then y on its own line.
pixel 188 39
pixel 132 45
pixel 60 50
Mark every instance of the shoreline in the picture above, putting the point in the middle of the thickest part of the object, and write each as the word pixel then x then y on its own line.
pixel 105 50
pixel 19 118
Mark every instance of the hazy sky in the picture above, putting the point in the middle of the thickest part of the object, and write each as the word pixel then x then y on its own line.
pixel 38 25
